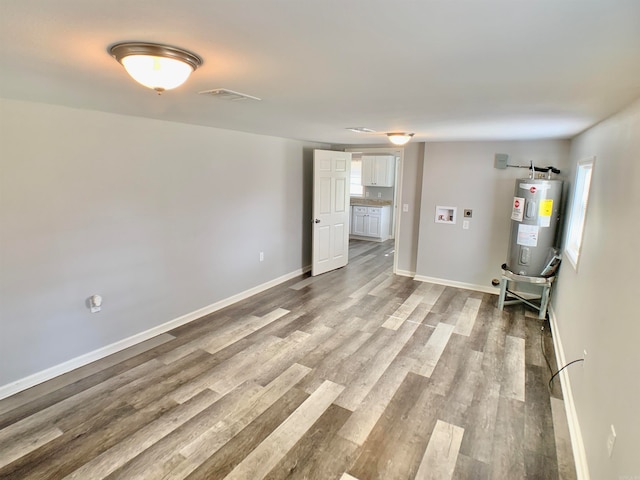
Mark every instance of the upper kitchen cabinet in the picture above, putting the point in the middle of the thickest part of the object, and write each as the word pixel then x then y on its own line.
pixel 378 170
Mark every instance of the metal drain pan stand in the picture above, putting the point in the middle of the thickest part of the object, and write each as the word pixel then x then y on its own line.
pixel 509 297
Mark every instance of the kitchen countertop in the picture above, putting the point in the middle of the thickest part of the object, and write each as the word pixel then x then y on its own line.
pixel 369 202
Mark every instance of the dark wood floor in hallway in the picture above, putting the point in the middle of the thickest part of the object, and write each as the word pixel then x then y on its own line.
pixel 355 374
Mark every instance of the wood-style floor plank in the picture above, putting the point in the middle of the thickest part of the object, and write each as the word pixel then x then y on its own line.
pixel 396 445
pixel 20 446
pixel 121 453
pixel 88 397
pixel 360 424
pixel 267 455
pixel 398 317
pixel 301 461
pixel 151 463
pixel 80 375
pixel 480 424
pixel 441 455
pixel 356 391
pixel 354 374
pixel 433 349
pixel 467 317
pixel 566 468
pixel 507 456
pixel 226 458
pixel 513 384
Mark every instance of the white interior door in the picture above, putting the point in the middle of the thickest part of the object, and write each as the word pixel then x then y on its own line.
pixel 331 208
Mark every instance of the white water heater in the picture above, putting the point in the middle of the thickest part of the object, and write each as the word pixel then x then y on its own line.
pixel 535 217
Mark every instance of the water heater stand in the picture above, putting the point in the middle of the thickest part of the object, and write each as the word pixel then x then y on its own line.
pixel 509 297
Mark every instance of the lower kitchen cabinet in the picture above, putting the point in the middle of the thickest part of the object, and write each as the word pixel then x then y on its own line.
pixel 370 222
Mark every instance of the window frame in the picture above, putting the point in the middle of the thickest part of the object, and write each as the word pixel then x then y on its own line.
pixel 579 209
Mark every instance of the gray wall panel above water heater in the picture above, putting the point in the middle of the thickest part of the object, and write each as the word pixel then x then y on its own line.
pixel 534 224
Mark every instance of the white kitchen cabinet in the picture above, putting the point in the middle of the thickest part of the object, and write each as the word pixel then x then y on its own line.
pixel 358 216
pixel 374 227
pixel 370 222
pixel 378 170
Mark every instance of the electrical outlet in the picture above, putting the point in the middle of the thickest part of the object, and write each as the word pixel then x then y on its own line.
pixel 379 194
pixel 95 303
pixel 405 207
pixel 262 256
pixel 611 441
pixel 465 224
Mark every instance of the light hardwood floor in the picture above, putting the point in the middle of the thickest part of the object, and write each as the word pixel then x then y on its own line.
pixel 355 374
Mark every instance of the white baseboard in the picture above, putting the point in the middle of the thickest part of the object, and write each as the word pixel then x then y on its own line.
pixel 77 362
pixel 405 273
pixel 579 454
pixel 453 283
pixel 369 239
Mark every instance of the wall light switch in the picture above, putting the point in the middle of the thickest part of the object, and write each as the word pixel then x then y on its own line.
pixel 405 207
pixel 465 225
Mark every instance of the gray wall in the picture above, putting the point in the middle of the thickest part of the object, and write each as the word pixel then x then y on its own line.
pixel 160 218
pixel 595 307
pixel 462 175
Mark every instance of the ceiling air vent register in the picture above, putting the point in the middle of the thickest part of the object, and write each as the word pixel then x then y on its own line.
pixel 226 94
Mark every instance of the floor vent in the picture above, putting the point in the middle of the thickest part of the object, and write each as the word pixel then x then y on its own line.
pixel 226 94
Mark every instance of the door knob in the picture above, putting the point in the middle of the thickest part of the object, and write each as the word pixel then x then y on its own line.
pixel 317 220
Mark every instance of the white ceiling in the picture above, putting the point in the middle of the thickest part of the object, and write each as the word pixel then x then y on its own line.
pixel 446 70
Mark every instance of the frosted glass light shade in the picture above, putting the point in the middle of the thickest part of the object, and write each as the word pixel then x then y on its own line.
pixel 159 67
pixel 157 72
pixel 399 138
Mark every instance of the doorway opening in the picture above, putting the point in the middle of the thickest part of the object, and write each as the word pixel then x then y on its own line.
pixel 375 206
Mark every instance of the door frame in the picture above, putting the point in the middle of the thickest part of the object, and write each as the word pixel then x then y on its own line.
pixel 397 196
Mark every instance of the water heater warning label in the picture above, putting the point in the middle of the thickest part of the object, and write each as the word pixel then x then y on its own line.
pixel 546 209
pixel 527 235
pixel 518 209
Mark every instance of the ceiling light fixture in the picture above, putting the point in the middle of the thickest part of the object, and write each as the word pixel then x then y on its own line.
pixel 159 67
pixel 399 138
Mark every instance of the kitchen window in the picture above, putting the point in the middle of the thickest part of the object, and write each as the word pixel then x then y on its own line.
pixel 356 189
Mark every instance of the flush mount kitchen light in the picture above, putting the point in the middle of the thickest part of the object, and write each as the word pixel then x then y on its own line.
pixel 399 138
pixel 159 67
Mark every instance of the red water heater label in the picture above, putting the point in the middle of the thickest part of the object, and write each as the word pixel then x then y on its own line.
pixel 518 209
